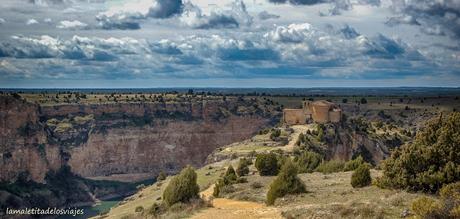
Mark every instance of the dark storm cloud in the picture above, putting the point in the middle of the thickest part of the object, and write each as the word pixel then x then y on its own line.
pixel 298 2
pixel 337 5
pixel 166 8
pixel 264 15
pixel 130 19
pixel 234 18
pixel 435 17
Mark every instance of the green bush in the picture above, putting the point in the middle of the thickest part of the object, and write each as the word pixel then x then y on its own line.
pixel 331 166
pixel 361 177
pixel 228 179
pixel 425 207
pixel 243 167
pixel 430 161
pixel 217 188
pixel 451 192
pixel 139 209
pixel 285 183
pixel 161 176
pixel 182 188
pixel 221 188
pixel 450 196
pixel 230 176
pixel 307 161
pixel 256 185
pixel 353 164
pixel 275 134
pixel 267 164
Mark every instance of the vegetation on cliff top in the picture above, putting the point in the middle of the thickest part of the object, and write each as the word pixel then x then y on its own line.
pixel 428 163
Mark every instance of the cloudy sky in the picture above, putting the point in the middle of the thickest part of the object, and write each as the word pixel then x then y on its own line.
pixel 229 43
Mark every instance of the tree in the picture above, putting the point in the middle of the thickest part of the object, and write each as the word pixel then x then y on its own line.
pixel 363 100
pixel 267 164
pixel 354 164
pixel 361 177
pixel 230 176
pixel 161 176
pixel 243 167
pixel 228 179
pixel 285 183
pixel 307 161
pixel 430 161
pixel 182 187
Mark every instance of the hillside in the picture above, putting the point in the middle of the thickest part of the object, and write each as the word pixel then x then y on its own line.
pixel 328 196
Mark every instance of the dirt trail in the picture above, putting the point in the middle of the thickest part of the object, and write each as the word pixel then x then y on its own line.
pixel 234 209
pixel 294 136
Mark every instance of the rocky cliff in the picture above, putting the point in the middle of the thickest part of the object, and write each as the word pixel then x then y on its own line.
pixel 121 138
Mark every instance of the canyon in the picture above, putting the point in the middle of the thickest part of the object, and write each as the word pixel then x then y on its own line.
pixel 97 140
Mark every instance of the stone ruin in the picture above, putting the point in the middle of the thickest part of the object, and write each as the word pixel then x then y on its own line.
pixel 320 111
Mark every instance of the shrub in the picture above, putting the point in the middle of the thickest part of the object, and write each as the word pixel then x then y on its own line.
pixel 217 187
pixel 275 134
pixel 182 188
pixel 228 179
pixel 156 209
pixel 267 164
pixel 450 196
pixel 353 164
pixel 307 161
pixel 451 193
pixel 361 177
pixel 430 161
pixel 256 185
pixel 139 209
pixel 425 207
pixel 230 176
pixel 161 176
pixel 243 167
pixel 331 166
pixel 221 188
pixel 285 183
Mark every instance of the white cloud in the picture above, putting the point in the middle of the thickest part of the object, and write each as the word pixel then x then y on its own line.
pixel 31 22
pixel 290 50
pixel 2 21
pixel 130 14
pixel 75 24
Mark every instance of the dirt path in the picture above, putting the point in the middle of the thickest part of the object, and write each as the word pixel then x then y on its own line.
pixel 294 136
pixel 234 209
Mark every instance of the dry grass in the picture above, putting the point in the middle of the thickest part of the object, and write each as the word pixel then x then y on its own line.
pixel 152 194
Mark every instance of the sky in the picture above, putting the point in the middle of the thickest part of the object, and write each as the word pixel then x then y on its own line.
pixel 229 43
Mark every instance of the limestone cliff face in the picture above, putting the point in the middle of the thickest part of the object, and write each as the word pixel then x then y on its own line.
pixel 167 145
pixel 354 144
pixel 23 141
pixel 344 143
pixel 119 138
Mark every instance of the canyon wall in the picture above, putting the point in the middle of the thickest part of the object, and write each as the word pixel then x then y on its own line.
pixel 121 138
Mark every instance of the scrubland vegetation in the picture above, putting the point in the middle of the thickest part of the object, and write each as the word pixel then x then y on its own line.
pixel 419 179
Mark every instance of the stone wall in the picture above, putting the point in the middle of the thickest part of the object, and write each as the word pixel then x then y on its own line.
pixel 321 113
pixel 294 116
pixel 335 115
